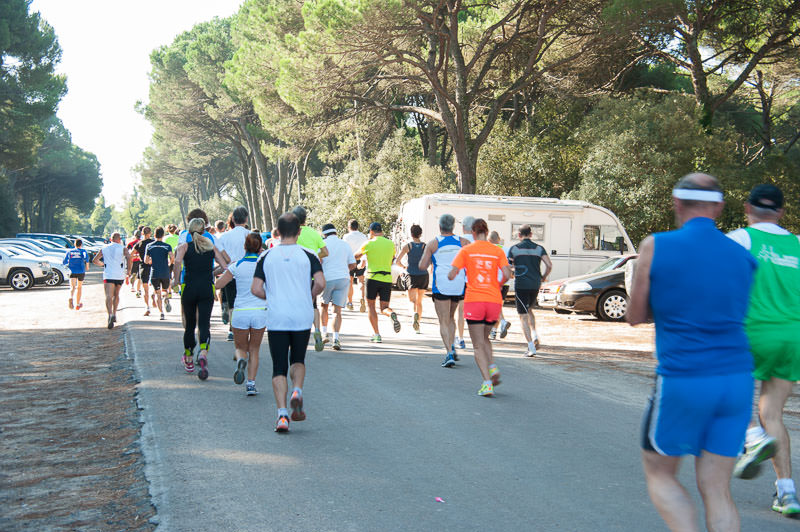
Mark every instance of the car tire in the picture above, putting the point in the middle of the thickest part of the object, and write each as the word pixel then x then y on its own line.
pixel 56 279
pixel 20 279
pixel 612 306
pixel 562 311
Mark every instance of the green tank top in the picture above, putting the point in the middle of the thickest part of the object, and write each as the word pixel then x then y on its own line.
pixel 775 297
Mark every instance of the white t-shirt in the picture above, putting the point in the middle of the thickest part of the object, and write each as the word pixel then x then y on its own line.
pixel 232 242
pixel 242 272
pixel 743 237
pixel 356 239
pixel 340 256
pixel 469 237
pixel 287 271
pixel 114 259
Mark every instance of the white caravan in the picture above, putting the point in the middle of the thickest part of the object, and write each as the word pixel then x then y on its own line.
pixel 577 235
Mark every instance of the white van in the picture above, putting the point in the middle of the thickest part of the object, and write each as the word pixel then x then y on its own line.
pixel 577 235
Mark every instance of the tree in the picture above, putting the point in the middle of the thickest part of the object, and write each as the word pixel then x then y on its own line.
pixel 100 217
pixel 472 57
pixel 132 214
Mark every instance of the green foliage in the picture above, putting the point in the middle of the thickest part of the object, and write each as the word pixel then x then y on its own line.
pixel 100 216
pixel 9 222
pixel 132 214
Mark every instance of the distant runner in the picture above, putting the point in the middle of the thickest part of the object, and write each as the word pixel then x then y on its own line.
pixel 133 273
pixel 419 277
pixel 158 256
pixel 773 327
pixel 379 252
pixel 503 324
pixel 231 244
pixel 115 260
pixel 144 268
pixel 311 240
pixel 283 277
pixel 487 270
pixel 356 239
pixel 336 267
pixel 466 228
pixel 77 260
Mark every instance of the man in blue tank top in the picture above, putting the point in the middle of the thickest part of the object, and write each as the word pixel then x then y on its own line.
pixel 447 294
pixel 697 286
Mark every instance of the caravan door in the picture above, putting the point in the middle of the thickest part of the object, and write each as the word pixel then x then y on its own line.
pixel 560 248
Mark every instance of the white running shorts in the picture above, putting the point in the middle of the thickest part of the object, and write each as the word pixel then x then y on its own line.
pixel 336 291
pixel 249 318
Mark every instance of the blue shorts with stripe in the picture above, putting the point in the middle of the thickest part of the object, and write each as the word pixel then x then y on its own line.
pixel 687 415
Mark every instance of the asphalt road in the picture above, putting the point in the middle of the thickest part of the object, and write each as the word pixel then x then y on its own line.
pixel 389 431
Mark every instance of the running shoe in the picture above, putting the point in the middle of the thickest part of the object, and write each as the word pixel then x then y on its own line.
pixel 251 389
pixel 396 322
pixel 337 346
pixel 162 317
pixel 318 344
pixel 504 328
pixel 296 403
pixel 530 353
pixel 787 505
pixel 282 425
pixel 70 304
pixel 486 390
pixel 350 306
pixel 225 314
pixel 147 312
pixel 363 307
pixel 138 294
pixel 327 338
pixel 188 361
pixel 494 374
pixel 230 336
pixel 238 375
pixel 536 342
pixel 415 325
pixel 454 352
pixel 449 361
pixel 493 334
pixel 111 322
pixel 202 361
pixel 461 344
pixel 376 338
pixel 79 306
pixel 749 464
pixel 168 306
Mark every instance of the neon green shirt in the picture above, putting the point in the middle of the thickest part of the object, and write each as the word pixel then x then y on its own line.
pixel 379 252
pixel 310 239
pixel 172 240
pixel 775 296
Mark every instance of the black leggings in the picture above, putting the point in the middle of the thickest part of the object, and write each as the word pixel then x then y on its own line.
pixel 287 347
pixel 197 302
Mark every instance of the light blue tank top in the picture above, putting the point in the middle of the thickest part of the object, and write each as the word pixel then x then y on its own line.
pixel 449 246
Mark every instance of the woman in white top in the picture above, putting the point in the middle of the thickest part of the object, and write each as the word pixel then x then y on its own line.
pixel 249 317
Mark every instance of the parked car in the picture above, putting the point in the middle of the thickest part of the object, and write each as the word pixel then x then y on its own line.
pixel 600 292
pixel 21 273
pixel 58 239
pixel 54 260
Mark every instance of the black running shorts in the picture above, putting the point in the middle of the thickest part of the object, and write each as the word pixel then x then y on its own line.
pixel 162 284
pixel 525 299
pixel 78 276
pixel 376 289
pixel 419 282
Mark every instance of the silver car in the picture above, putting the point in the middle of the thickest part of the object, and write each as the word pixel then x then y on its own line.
pixel 21 273
pixel 53 259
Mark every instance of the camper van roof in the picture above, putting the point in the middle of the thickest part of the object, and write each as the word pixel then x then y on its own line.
pixel 474 198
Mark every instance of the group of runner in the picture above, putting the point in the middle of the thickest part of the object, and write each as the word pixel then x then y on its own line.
pixel 724 317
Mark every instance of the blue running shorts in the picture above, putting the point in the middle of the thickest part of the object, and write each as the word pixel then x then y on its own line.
pixel 687 415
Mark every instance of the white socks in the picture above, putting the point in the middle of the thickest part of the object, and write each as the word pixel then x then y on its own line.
pixel 754 434
pixel 531 347
pixel 283 412
pixel 335 335
pixel 324 330
pixel 784 486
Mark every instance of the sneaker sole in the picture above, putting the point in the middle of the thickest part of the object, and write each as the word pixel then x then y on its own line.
pixel 449 364
pixel 251 394
pixel 337 347
pixel 169 307
pixel 318 345
pixel 396 322
pixel 203 373
pixel 238 375
pixel 752 469
pixel 297 409
pixel 281 429
pixel 496 379
pixel 504 332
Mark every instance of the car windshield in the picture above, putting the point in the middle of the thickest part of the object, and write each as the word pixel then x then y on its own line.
pixel 610 264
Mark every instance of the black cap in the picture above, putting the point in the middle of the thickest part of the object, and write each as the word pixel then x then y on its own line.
pixel 766 197
pixel 375 226
pixel 328 229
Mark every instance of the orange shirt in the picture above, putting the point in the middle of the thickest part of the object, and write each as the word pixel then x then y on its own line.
pixel 483 260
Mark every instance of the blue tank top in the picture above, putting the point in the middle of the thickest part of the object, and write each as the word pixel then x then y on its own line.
pixel 699 292
pixel 415 250
pixel 442 258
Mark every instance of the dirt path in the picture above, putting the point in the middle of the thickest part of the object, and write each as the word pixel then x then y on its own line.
pixel 69 458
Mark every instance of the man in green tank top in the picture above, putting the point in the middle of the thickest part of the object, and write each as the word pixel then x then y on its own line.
pixel 773 328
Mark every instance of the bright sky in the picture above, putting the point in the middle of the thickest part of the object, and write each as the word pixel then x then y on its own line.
pixel 106 57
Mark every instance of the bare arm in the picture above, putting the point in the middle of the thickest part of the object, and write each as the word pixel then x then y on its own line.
pixel 221 258
pixel 403 252
pixel 548 267
pixel 506 274
pixel 257 288
pixel 98 258
pixel 176 266
pixel 323 252
pixel 453 272
pixel 427 255
pixel 639 298
pixel 223 279
pixel 352 266
pixel 319 284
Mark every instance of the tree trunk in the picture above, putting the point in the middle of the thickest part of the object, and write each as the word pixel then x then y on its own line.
pixel 433 143
pixel 182 206
pixel 261 168
pixel 282 200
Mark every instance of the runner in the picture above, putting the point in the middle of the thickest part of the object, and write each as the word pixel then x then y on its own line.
pixel 172 238
pixel 419 277
pixel 494 238
pixel 379 252
pixel 158 257
pixel 231 244
pixel 77 260
pixel 221 227
pixel 115 260
pixel 282 278
pixel 312 241
pixel 447 294
pixel 249 313
pixel 703 393
pixel 133 274
pixel 356 239
pixel 197 292
pixel 336 267
pixel 466 228
pixel 487 270
pixel 773 327
pixel 527 257
pixel 144 268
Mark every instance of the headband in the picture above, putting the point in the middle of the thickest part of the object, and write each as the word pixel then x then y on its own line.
pixel 697 195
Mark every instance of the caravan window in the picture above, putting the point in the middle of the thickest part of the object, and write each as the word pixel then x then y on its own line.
pixel 603 238
pixel 537 232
